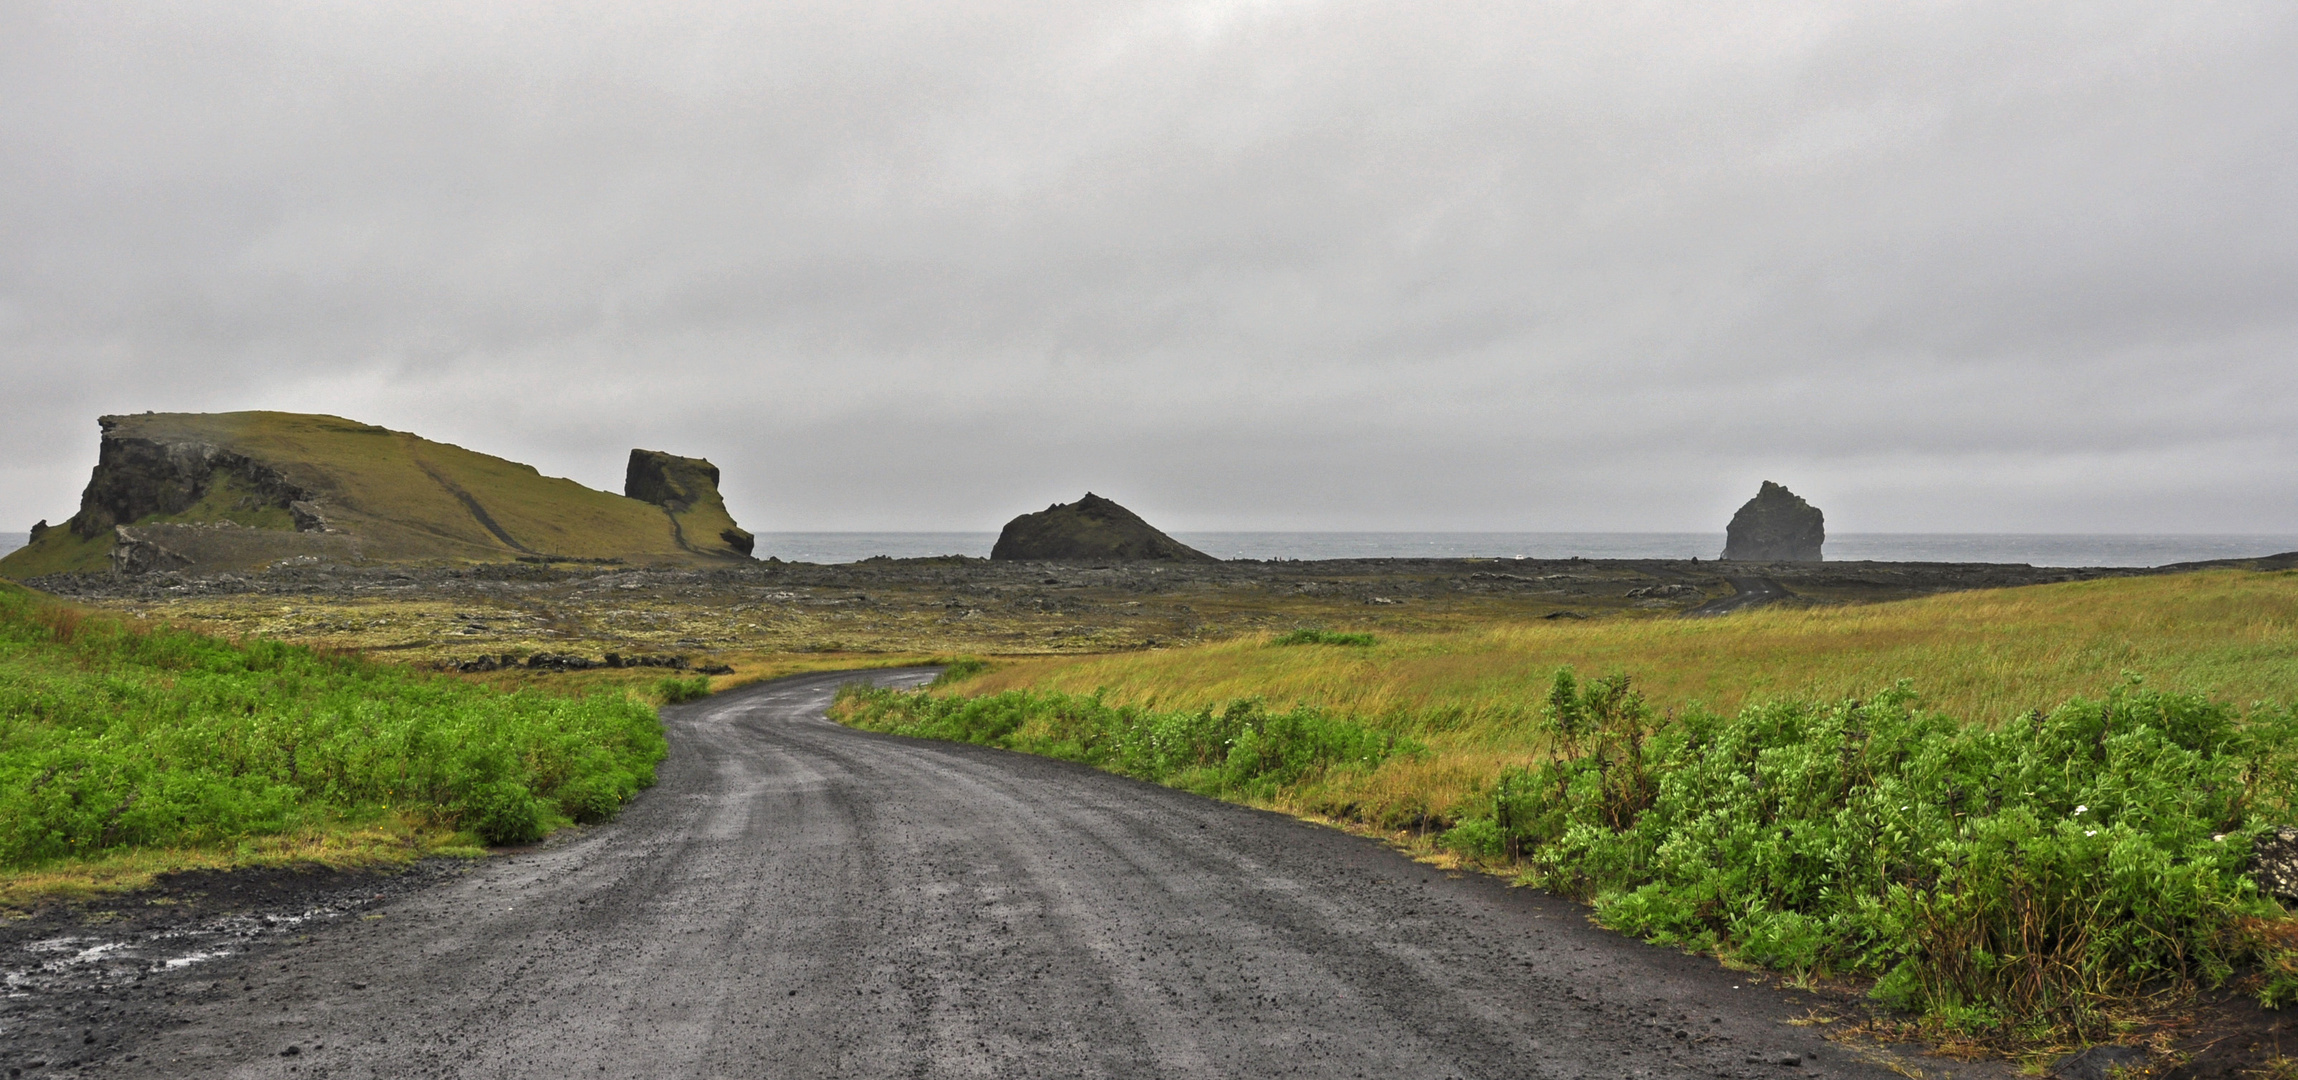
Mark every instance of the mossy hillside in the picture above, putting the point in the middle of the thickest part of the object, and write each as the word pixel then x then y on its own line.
pixel 118 738
pixel 57 551
pixel 403 498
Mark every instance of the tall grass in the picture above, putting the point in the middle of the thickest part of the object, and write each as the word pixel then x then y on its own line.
pixel 1987 654
pixel 116 737
pixel 1475 698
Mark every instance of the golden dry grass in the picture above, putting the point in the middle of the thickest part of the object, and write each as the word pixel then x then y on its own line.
pixel 1474 695
pixel 1982 655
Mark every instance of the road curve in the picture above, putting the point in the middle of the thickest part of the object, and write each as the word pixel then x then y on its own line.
pixel 796 899
pixel 1747 592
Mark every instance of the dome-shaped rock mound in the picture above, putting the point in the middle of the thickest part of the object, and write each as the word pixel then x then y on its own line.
pixel 1090 528
pixel 1775 526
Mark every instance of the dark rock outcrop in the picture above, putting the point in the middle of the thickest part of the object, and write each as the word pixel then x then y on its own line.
pixel 1775 526
pixel 687 489
pixel 1090 528
pixel 144 549
pixel 138 475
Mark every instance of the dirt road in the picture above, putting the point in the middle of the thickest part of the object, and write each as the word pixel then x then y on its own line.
pixel 796 899
pixel 1748 592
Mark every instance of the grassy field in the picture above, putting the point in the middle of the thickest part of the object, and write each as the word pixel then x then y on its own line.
pixel 1474 695
pixel 2024 810
pixel 128 749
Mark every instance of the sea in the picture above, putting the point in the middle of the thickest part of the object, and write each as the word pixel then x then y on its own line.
pixel 2034 549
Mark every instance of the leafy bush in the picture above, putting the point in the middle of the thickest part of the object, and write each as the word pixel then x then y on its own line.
pixel 962 668
pixel 115 737
pixel 2006 877
pixel 677 691
pixel 1322 637
pixel 1243 749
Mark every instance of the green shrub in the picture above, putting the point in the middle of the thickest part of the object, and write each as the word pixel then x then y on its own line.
pixel 1243 749
pixel 677 691
pixel 964 667
pixel 2014 875
pixel 115 737
pixel 1322 637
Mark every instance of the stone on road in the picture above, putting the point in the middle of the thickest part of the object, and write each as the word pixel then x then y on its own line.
pixel 797 899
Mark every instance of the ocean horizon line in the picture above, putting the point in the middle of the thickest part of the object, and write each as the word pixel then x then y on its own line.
pixel 2034 549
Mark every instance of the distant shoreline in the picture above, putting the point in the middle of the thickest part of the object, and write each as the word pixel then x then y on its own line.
pixel 2034 549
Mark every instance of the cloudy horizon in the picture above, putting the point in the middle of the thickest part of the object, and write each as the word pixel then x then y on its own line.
pixel 1278 265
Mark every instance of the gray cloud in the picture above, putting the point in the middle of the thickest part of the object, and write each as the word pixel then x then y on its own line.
pixel 1241 265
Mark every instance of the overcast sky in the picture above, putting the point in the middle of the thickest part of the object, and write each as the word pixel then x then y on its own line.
pixel 1238 265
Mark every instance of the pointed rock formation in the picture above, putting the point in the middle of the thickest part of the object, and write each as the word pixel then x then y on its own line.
pixel 1090 528
pixel 686 488
pixel 1775 526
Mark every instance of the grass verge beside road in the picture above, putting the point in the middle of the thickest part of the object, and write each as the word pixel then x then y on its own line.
pixel 2060 824
pixel 1475 697
pixel 127 749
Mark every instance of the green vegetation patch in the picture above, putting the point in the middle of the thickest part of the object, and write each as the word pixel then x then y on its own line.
pixel 958 670
pixel 1243 750
pixel 2004 879
pixel 116 737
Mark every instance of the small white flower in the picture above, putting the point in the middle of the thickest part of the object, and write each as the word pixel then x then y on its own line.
pixel 2080 809
pixel 2219 838
pixel 2090 832
pixel 1902 808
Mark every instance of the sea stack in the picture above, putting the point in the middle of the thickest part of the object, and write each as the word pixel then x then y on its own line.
pixel 686 488
pixel 1090 528
pixel 1775 526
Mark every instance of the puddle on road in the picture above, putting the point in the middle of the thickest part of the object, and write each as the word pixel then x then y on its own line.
pixel 77 962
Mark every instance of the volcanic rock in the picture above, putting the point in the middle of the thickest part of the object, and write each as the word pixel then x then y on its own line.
pixel 1775 526
pixel 2274 863
pixel 1090 528
pixel 686 488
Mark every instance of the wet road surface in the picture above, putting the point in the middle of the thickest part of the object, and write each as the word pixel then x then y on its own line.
pixel 1748 592
pixel 796 899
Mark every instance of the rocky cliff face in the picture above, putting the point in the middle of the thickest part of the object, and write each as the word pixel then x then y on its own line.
pixel 687 489
pixel 139 474
pixel 1090 528
pixel 1775 526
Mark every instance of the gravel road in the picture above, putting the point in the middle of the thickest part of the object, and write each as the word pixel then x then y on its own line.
pixel 796 899
pixel 1750 592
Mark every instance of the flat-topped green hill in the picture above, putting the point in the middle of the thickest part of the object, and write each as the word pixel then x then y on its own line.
pixel 238 490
